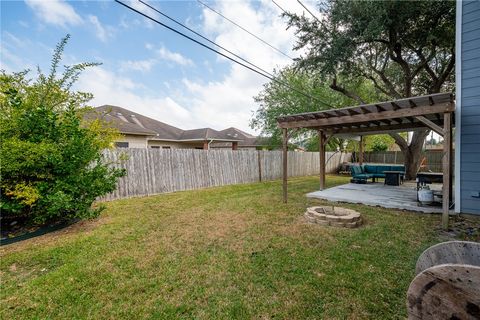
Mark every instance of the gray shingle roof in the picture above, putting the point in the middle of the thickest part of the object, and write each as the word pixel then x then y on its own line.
pixel 134 123
pixel 115 122
pixel 161 130
pixel 247 140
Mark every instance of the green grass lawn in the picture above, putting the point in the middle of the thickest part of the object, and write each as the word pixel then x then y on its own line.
pixel 233 252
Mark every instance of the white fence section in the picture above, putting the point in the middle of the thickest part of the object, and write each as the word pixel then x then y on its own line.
pixel 154 171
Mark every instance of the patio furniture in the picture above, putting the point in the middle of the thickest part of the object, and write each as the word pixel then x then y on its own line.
pixel 393 178
pixel 361 173
pixel 447 282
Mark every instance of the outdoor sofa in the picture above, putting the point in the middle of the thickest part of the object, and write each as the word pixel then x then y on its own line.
pixel 361 173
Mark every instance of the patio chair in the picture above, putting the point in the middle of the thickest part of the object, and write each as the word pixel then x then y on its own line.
pixel 447 285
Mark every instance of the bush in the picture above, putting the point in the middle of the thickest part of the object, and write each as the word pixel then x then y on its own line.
pixel 51 159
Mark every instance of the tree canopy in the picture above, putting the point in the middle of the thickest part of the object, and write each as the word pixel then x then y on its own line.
pixel 52 166
pixel 399 48
pixel 404 48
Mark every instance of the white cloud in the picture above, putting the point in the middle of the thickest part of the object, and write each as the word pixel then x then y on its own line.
pixel 139 65
pixel 165 54
pixel 102 33
pixel 111 88
pixel 229 102
pixel 160 55
pixel 218 104
pixel 56 12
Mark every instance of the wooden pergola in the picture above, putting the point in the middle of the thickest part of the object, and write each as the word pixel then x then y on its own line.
pixel 434 112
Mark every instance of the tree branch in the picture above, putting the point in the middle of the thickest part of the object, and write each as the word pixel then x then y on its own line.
pixel 375 83
pixel 399 140
pixel 390 88
pixel 395 53
pixel 424 64
pixel 345 92
pixel 438 84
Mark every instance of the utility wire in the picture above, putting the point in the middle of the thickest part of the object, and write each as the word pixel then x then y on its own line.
pixel 250 33
pixel 205 38
pixel 222 54
pixel 279 7
pixel 305 7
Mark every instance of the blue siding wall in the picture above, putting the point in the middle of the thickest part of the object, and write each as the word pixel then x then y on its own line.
pixel 470 108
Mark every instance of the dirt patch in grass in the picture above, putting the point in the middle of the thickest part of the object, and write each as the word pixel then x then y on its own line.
pixel 82 228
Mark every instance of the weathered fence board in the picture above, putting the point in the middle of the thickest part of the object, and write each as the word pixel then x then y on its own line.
pixel 432 158
pixel 154 171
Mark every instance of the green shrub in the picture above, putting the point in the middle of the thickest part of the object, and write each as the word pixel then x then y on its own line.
pixel 51 159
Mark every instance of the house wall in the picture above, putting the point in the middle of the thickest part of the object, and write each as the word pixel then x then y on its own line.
pixel 134 141
pixel 467 191
pixel 174 145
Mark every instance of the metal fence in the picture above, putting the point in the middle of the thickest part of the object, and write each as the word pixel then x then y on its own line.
pixel 154 171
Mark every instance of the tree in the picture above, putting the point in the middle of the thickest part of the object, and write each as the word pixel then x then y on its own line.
pixel 277 99
pixel 379 142
pixel 52 166
pixel 403 48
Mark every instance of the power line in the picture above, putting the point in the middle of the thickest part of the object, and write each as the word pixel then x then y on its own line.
pixel 305 7
pixel 279 7
pixel 272 78
pixel 204 38
pixel 250 33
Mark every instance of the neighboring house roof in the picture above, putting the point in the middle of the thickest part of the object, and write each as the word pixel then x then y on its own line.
pixel 247 140
pixel 207 134
pixel 129 122
pixel 160 129
pixel 122 126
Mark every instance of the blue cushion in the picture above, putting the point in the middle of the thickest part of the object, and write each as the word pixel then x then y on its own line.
pixel 379 175
pixel 398 168
pixel 364 176
pixel 356 170
pixel 370 168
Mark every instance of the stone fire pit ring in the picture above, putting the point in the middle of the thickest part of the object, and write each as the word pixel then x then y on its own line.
pixel 333 216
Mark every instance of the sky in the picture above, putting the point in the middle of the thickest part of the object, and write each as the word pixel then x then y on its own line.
pixel 147 68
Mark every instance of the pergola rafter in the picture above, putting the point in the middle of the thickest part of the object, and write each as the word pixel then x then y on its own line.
pixel 434 112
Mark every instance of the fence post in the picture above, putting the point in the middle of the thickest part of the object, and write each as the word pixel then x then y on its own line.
pixel 259 165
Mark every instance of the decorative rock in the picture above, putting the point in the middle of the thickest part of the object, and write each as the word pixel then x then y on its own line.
pixel 323 222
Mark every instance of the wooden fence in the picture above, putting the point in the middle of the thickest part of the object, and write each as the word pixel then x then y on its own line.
pixel 154 171
pixel 432 158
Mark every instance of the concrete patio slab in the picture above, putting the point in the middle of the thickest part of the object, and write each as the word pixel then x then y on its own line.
pixel 376 194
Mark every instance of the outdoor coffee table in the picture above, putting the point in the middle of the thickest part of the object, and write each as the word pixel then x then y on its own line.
pixel 393 178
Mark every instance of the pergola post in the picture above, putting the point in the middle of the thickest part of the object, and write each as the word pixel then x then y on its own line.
pixel 285 163
pixel 360 151
pixel 447 165
pixel 321 150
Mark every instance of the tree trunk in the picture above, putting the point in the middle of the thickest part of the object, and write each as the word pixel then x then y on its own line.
pixel 413 152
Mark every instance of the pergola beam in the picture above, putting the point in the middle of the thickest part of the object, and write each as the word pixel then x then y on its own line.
pixel 321 146
pixel 360 151
pixel 299 120
pixel 378 129
pixel 447 168
pixel 431 125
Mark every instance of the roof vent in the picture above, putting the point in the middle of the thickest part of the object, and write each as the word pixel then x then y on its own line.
pixel 136 120
pixel 120 115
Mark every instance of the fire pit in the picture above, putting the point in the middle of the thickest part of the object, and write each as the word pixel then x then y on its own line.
pixel 334 216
